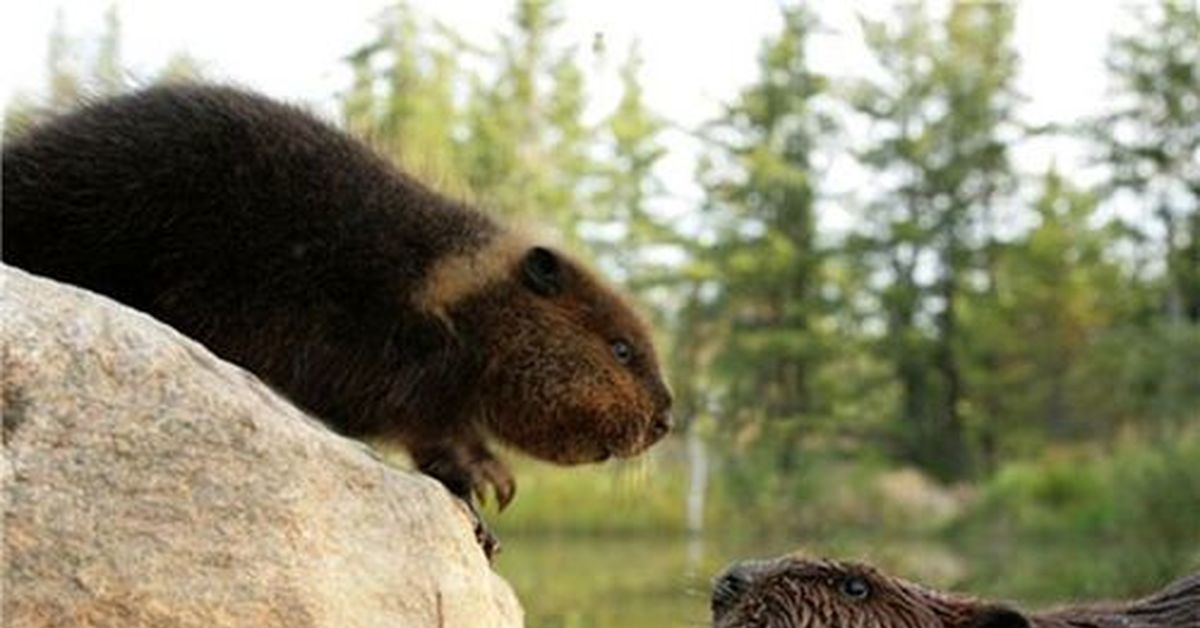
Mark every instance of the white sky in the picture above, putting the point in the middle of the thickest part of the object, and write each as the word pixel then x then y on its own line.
pixel 697 52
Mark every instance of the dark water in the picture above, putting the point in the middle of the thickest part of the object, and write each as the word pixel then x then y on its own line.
pixel 611 582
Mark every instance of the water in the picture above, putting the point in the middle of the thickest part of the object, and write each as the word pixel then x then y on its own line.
pixel 636 582
pixel 594 582
pixel 603 582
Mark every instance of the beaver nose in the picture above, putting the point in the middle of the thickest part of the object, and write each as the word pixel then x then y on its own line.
pixel 662 425
pixel 730 586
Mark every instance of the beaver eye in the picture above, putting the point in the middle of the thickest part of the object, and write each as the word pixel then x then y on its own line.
pixel 622 351
pixel 855 588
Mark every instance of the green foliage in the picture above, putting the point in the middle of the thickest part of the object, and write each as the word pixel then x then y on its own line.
pixel 1071 523
pixel 1150 137
pixel 604 582
pixel 402 98
pixel 528 148
pixel 1142 500
pixel 1058 291
pixel 63 83
pixel 942 111
pixel 760 202
pixel 77 70
pixel 107 69
pixel 1140 377
pixel 626 184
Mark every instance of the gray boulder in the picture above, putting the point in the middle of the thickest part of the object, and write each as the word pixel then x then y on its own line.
pixel 148 483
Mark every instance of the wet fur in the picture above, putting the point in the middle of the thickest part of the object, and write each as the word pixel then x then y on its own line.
pixel 795 592
pixel 290 248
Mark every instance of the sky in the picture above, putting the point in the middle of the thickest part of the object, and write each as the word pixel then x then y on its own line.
pixel 697 53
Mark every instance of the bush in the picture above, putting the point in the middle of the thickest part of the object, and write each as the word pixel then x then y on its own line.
pixel 1135 511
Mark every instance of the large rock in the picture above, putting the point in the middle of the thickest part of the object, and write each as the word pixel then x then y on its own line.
pixel 147 483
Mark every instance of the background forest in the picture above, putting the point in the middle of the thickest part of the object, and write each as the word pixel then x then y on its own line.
pixel 887 339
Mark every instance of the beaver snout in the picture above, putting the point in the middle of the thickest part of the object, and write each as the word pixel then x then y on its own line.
pixel 661 426
pixel 732 584
pixel 662 421
pixel 657 427
pixel 728 589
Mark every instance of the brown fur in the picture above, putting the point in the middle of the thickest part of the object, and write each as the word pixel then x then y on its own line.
pixel 292 249
pixel 798 592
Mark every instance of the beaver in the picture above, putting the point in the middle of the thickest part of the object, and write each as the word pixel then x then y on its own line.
pixel 380 306
pixel 794 591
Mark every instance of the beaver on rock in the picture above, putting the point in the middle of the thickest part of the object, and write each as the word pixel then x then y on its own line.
pixel 798 592
pixel 292 249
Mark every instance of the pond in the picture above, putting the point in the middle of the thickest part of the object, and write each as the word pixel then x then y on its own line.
pixel 568 581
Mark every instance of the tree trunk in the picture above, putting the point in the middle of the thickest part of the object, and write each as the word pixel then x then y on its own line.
pixel 697 457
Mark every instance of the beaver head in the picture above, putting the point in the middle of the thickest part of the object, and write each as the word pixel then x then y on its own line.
pixel 569 374
pixel 795 592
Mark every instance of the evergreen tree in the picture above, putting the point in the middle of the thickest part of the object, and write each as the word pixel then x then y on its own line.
pixel 943 116
pixel 626 184
pixel 1054 292
pixel 180 66
pixel 62 79
pixel 107 69
pixel 1151 137
pixel 402 95
pixel 760 198
pixel 528 147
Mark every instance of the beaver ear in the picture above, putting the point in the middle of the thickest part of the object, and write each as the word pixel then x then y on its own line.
pixel 998 617
pixel 543 271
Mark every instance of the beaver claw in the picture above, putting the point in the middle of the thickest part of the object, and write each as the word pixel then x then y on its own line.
pixel 467 472
pixel 487 469
pixel 487 540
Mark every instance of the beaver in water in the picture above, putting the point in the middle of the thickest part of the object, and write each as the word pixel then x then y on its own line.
pixel 292 249
pixel 798 592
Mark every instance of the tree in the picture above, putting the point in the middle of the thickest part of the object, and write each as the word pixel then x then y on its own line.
pixel 527 151
pixel 63 82
pixel 760 198
pixel 625 182
pixel 103 74
pixel 1055 291
pixel 942 115
pixel 107 69
pixel 180 66
pixel 402 95
pixel 1150 139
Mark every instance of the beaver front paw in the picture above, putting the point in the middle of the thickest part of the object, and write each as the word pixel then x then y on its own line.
pixel 486 469
pixel 467 471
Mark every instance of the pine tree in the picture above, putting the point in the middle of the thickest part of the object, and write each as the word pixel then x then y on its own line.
pixel 626 183
pixel 1150 139
pixel 107 70
pixel 1055 291
pixel 760 198
pixel 180 66
pixel 402 96
pixel 62 79
pixel 943 114
pixel 527 151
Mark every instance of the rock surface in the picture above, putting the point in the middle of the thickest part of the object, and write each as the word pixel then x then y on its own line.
pixel 147 483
